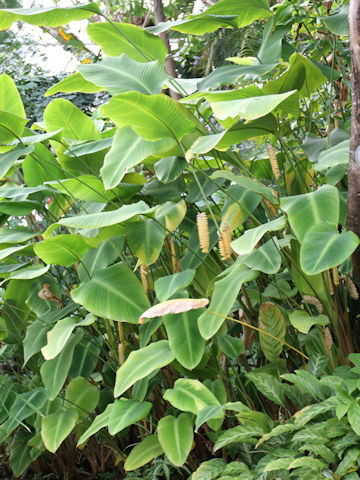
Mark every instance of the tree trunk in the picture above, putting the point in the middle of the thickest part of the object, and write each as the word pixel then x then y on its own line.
pixel 169 62
pixel 353 205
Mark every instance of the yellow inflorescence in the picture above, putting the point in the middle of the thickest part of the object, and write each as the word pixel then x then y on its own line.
pixel 203 232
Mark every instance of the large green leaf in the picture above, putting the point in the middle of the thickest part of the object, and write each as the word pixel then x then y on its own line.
pixel 166 287
pixel 323 247
pixel 169 169
pixel 305 211
pixel 190 396
pixel 153 117
pixel 184 338
pixel 8 159
pixel 49 17
pixel 105 219
pixel 29 272
pixel 12 114
pixel 302 321
pixel 35 338
pixel 171 214
pixel 301 75
pixel 62 249
pixel 73 83
pixel 247 183
pixel 25 404
pixel 266 258
pixel 61 113
pixel 231 346
pixel 54 372
pixel 145 239
pixel 114 293
pixel 141 363
pixel 20 451
pixel 122 74
pixel 246 243
pixel 176 437
pixel 114 40
pixel 249 108
pixel 143 453
pixel 229 74
pixel 82 396
pixel 271 320
pixel 60 334
pixel 56 427
pixel 337 155
pixel 338 23
pixel 98 258
pixel 224 14
pixel 87 188
pixel 99 422
pixel 129 149
pixel 10 100
pixel 125 412
pixel 225 292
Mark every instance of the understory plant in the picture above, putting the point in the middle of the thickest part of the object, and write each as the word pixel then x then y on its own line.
pixel 177 290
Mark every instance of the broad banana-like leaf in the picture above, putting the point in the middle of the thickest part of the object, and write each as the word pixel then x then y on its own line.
pixel 184 338
pixel 141 363
pixel 122 74
pixel 99 422
pixel 166 287
pixel 56 427
pixel 73 83
pixel 310 209
pixel 146 239
pixel 125 412
pixel 54 372
pixel 190 396
pixel 224 14
pixel 134 41
pixel 323 247
pixel 143 453
pixel 153 117
pixel 114 292
pixel 225 292
pixel 105 219
pixel 246 243
pixel 49 17
pixel 12 113
pixel 82 396
pixel 59 335
pixel 266 258
pixel 62 249
pixel 176 437
pixel 129 149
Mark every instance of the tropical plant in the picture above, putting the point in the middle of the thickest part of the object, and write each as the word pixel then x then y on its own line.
pixel 168 265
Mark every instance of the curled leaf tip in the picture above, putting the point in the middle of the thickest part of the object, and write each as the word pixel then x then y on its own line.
pixel 177 305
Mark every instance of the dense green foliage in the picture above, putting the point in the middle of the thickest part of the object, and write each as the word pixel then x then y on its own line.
pixel 177 290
